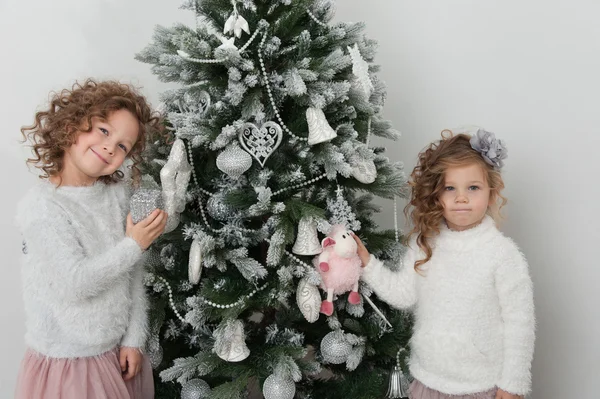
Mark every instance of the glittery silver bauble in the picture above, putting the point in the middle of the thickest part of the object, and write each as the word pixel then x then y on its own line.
pixel 398 385
pixel 217 208
pixel 319 129
pixel 307 241
pixel 261 142
pixel 363 170
pixel 278 388
pixel 334 348
pixel 234 161
pixel 143 202
pixel 195 389
pixel 308 299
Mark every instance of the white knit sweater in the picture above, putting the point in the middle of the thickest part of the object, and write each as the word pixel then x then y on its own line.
pixel 82 282
pixel 474 317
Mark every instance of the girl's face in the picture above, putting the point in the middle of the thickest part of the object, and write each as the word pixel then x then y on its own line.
pixel 466 196
pixel 101 151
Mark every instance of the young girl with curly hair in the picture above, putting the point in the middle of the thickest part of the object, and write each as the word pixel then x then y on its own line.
pixel 467 283
pixel 85 301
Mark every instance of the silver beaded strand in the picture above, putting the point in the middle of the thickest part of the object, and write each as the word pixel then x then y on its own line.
pixel 270 93
pixel 314 18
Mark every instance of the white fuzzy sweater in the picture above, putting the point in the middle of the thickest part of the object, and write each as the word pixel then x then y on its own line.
pixel 474 317
pixel 82 282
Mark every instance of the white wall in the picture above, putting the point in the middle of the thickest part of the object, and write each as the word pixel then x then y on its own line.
pixel 525 70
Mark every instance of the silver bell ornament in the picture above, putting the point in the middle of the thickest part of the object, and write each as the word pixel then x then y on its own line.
pixel 398 383
pixel 335 348
pixel 319 129
pixel 307 241
pixel 234 161
pixel 195 389
pixel 229 343
pixel 278 388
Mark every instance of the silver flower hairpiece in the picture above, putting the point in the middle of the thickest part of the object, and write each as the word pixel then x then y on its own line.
pixel 491 149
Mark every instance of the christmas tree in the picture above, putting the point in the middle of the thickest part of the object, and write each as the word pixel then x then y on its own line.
pixel 267 149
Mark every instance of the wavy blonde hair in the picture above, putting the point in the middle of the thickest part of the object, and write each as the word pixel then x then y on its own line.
pixel 70 113
pixel 425 210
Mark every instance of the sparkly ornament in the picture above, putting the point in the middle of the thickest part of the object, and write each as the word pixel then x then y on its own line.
pixel 234 161
pixel 236 23
pixel 195 389
pixel 397 385
pixel 155 351
pixel 195 262
pixel 187 104
pixel 174 177
pixel 229 343
pixel 227 43
pixel 143 202
pixel 278 388
pixel 308 299
pixel 217 208
pixel 334 348
pixel 360 69
pixel 363 170
pixel 260 143
pixel 307 241
pixel 319 129
pixel 203 102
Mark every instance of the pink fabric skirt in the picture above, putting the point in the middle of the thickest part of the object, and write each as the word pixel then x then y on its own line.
pixel 419 391
pixel 96 377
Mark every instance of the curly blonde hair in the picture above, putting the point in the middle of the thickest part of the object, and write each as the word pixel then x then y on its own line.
pixel 425 210
pixel 70 113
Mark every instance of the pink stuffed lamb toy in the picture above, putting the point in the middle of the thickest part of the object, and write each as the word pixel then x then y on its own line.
pixel 339 266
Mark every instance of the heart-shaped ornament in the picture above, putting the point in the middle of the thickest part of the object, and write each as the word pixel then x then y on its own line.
pixel 260 143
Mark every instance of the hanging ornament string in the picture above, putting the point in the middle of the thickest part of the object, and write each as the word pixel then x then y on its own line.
pixel 300 185
pixel 396 218
pixel 171 302
pixel 368 132
pixel 268 87
pixel 314 18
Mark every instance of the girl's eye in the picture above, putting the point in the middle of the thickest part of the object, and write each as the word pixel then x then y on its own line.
pixel 449 188
pixel 474 188
pixel 123 147
pixel 104 131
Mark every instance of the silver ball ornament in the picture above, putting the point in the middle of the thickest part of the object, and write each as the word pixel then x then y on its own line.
pixel 334 348
pixel 278 388
pixel 195 389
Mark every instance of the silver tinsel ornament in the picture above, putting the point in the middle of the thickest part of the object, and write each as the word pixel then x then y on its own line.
pixel 234 161
pixel 334 348
pixel 307 241
pixel 360 69
pixel 217 208
pixel 319 129
pixel 398 384
pixel 143 202
pixel 195 389
pixel 308 299
pixel 278 388
pixel 261 142
pixel 174 177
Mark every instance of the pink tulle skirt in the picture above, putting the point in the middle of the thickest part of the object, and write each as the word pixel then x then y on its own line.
pixel 96 377
pixel 420 391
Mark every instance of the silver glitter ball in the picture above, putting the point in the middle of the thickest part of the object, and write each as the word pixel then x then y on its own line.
pixel 278 388
pixel 217 208
pixel 195 389
pixel 143 202
pixel 155 356
pixel 234 161
pixel 334 348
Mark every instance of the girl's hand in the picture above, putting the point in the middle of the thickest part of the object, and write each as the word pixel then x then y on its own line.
pixel 131 362
pixel 364 255
pixel 147 230
pixel 501 394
